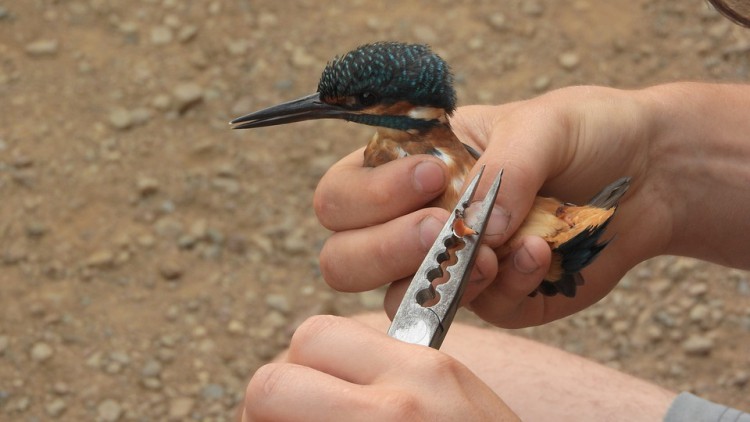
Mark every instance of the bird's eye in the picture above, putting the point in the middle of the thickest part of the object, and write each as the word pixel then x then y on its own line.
pixel 367 99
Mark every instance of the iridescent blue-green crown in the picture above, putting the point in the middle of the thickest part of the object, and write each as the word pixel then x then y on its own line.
pixel 392 72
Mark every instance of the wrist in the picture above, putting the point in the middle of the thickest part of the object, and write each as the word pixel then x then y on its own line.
pixel 697 166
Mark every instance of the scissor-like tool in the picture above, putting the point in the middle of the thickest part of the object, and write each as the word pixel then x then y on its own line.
pixel 432 299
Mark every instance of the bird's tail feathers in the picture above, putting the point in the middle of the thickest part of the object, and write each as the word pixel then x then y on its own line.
pixel 611 194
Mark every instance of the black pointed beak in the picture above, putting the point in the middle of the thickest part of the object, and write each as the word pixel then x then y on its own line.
pixel 306 108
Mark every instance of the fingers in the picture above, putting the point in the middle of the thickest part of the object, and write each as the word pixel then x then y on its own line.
pixel 483 273
pixel 311 346
pixel 505 302
pixel 351 196
pixel 359 260
pixel 286 392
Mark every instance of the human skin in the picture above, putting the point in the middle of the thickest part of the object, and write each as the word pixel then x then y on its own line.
pixel 687 149
pixel 684 145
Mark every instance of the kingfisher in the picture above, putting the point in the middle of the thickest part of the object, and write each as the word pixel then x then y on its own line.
pixel 406 91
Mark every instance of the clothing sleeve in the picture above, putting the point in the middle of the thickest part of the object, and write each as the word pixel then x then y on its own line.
pixel 688 407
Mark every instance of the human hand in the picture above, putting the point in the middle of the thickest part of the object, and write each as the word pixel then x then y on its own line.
pixel 337 367
pixel 568 144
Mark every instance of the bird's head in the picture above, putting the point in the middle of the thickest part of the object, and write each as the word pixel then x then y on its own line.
pixel 387 84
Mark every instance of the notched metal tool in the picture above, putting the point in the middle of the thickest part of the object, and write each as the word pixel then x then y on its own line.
pixel 432 299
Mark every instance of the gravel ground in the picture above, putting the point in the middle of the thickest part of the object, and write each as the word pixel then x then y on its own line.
pixel 151 259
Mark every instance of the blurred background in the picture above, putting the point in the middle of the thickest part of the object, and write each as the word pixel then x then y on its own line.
pixel 151 258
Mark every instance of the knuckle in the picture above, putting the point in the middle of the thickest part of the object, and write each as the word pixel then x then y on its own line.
pixel 402 406
pixel 442 367
pixel 265 383
pixel 330 264
pixel 311 330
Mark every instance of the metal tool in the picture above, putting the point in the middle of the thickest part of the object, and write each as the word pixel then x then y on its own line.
pixel 432 299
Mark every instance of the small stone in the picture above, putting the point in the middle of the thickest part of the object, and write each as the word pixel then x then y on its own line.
pixel 532 8
pixel 569 60
pixel 41 352
pixel 697 345
pixel 60 388
pixel 237 47
pixel 699 313
pixel 235 327
pixel 187 33
pixel 187 95
pixel 180 408
pixel 161 102
pixel 109 411
pixel 697 289
pixel 213 392
pixel 497 21
pixel 152 368
pixel 56 407
pixel 147 185
pixel 161 35
pixel 101 259
pixel 41 48
pixel 4 342
pixel 301 59
pixel 140 115
pixel 120 119
pixel 36 229
pixel 295 243
pixel 151 383
pixel 425 34
pixel 371 299
pixel 278 302
pixel 170 269
pixel 541 83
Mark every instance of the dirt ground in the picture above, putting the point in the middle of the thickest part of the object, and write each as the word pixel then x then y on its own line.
pixel 151 258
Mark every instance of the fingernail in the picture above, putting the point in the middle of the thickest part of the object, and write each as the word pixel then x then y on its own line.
pixel 428 177
pixel 524 262
pixel 499 220
pixel 429 228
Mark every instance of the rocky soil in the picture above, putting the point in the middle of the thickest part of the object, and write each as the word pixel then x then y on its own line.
pixel 151 259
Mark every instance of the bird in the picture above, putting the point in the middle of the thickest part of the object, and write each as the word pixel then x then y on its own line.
pixel 406 91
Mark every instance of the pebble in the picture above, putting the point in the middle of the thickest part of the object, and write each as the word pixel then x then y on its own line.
pixel 497 21
pixel 120 119
pixel 170 269
pixel 168 227
pixel 569 60
pixel 697 345
pixel 42 48
pixel 699 313
pixel 532 8
pixel 697 289
pixel 187 33
pixel 425 34
pixel 56 407
pixel 235 327
pixel 109 411
pixel 301 59
pixel 151 368
pixel 542 83
pixel 4 342
pixel 295 243
pixel 101 259
pixel 278 302
pixel 147 186
pixel 41 352
pixel 161 35
pixel 180 408
pixel 187 95
pixel 212 392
